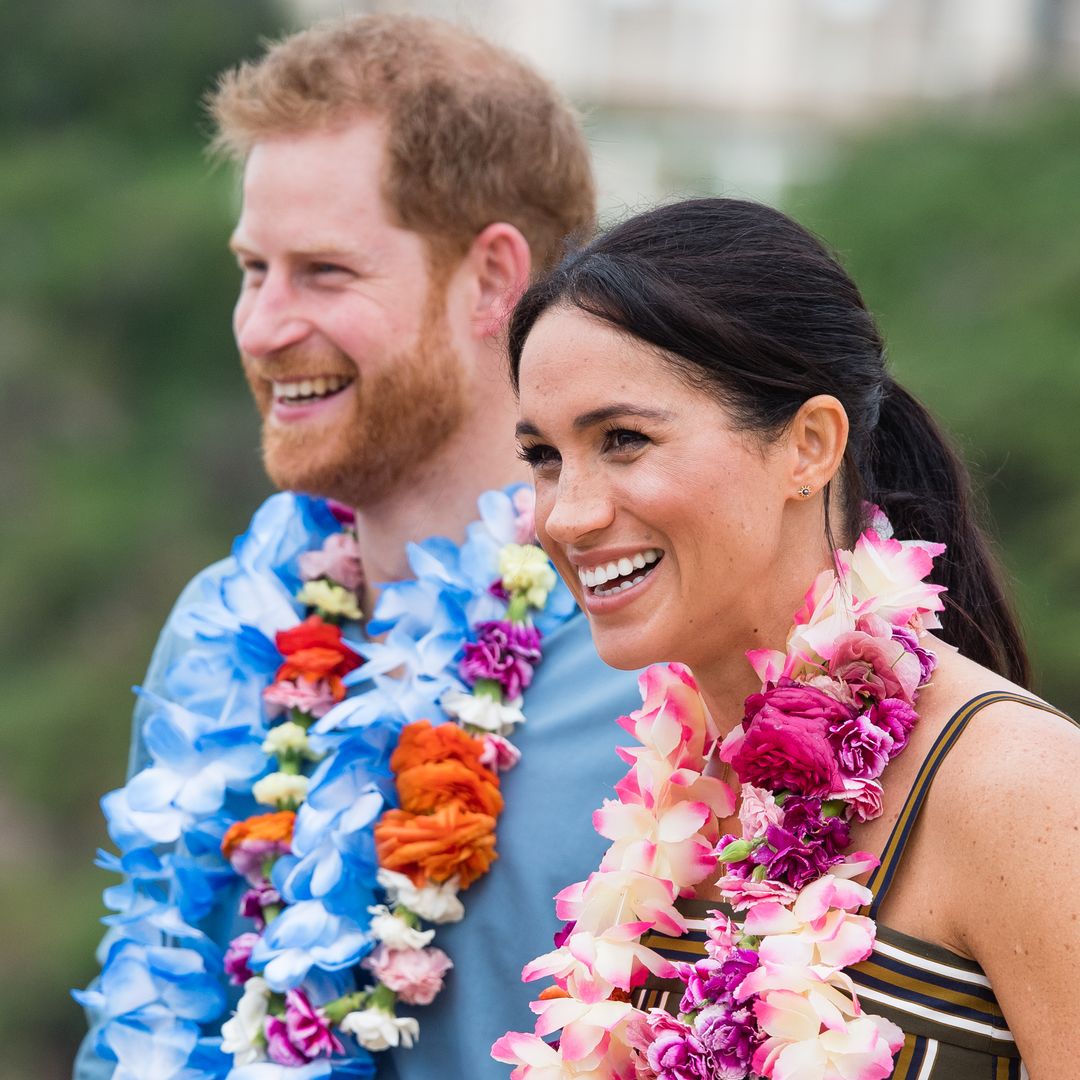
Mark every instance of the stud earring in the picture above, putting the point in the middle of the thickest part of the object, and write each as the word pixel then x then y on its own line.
pixel 804 491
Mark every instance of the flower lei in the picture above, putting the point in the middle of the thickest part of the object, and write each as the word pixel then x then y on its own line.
pixel 770 998
pixel 381 802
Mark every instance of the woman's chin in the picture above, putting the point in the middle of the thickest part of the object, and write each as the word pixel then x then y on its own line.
pixel 627 652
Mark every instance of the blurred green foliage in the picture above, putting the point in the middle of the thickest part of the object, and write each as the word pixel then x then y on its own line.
pixel 129 446
pixel 963 233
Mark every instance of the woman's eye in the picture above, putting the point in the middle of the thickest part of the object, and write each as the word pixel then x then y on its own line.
pixel 539 456
pixel 623 440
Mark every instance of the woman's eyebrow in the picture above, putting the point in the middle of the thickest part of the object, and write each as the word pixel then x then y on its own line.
pixel 598 416
pixel 610 412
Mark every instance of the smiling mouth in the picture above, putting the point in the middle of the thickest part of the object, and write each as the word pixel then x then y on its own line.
pixel 305 391
pixel 620 574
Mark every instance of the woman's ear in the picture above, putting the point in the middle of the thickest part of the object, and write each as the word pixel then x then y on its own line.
pixel 818 438
pixel 501 263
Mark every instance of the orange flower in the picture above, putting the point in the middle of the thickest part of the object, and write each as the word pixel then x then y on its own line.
pixel 270 830
pixel 315 650
pixel 431 784
pixel 420 742
pixel 435 847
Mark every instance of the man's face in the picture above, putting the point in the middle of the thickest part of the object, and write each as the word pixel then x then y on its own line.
pixel 342 329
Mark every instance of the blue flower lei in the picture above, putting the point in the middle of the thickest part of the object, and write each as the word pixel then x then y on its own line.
pixel 162 992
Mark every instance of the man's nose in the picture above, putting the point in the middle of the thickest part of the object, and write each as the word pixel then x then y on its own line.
pixel 268 317
pixel 583 505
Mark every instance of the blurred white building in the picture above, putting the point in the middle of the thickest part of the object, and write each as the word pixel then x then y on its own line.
pixel 742 96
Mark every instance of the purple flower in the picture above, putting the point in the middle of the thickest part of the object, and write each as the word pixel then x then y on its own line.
pixel 254 900
pixel 862 748
pixel 895 717
pixel 711 981
pixel 279 1047
pixel 308 1029
pixel 805 846
pixel 505 652
pixel 731 1039
pixel 237 956
pixel 791 860
pixel 675 1052
pixel 910 640
pixel 498 590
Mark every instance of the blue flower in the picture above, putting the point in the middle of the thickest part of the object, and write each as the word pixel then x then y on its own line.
pixel 152 1045
pixel 306 935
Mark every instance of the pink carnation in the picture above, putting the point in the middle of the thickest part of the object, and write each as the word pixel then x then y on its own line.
pixel 786 740
pixel 313 698
pixel 757 811
pixel 499 754
pixel 743 892
pixel 862 747
pixel 338 560
pixel 415 975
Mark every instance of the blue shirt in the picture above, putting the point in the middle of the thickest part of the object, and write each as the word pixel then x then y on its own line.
pixel 545 842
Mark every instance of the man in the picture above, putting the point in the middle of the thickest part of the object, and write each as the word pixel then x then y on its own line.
pixel 401 182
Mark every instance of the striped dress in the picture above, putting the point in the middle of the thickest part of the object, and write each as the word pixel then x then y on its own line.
pixel 953 1026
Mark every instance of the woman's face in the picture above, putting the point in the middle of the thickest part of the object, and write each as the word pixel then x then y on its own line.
pixel 663 520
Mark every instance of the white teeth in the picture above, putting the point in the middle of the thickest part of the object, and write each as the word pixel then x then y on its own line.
pixel 600 575
pixel 307 388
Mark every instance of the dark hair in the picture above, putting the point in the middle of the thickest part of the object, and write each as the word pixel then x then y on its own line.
pixel 753 309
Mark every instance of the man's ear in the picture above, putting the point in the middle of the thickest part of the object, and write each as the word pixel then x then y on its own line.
pixel 501 263
pixel 818 438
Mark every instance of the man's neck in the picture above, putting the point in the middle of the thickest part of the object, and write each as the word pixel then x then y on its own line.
pixel 439 499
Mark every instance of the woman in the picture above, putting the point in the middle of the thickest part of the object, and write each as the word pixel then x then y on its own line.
pixel 708 416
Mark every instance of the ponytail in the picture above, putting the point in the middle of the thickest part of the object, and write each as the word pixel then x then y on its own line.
pixel 913 473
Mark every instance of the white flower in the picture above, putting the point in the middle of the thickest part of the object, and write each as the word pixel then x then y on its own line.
pixel 289 738
pixel 436 903
pixel 241 1034
pixel 396 933
pixel 283 790
pixel 481 711
pixel 330 599
pixel 524 568
pixel 375 1029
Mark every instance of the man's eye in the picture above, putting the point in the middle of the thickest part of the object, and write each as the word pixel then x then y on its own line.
pixel 538 456
pixel 324 269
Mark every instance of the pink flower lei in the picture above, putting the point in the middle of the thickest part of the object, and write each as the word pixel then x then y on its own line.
pixel 770 998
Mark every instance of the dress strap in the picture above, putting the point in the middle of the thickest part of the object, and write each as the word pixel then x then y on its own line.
pixel 881 879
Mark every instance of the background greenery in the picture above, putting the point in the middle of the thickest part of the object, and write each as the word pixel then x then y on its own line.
pixel 129 447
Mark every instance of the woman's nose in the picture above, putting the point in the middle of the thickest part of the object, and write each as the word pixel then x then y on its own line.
pixel 582 505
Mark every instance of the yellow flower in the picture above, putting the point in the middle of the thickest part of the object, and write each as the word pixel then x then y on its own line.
pixel 332 600
pixel 525 571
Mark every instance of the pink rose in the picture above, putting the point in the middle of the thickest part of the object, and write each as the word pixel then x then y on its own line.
pixel 786 740
pixel 862 796
pixel 415 975
pixel 876 666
